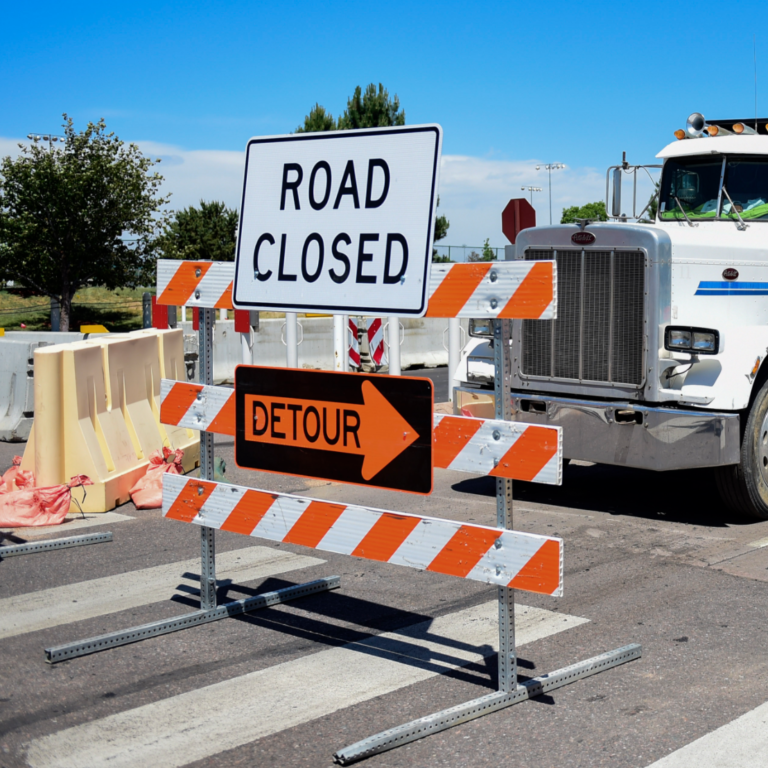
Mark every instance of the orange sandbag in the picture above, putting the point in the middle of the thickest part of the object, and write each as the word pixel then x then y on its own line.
pixel 148 491
pixel 15 478
pixel 38 506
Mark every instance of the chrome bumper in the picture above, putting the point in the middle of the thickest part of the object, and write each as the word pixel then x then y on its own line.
pixel 632 435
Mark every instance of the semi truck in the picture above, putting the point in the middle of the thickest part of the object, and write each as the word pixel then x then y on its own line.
pixel 657 358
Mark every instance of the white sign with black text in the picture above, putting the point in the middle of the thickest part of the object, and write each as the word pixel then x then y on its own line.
pixel 339 222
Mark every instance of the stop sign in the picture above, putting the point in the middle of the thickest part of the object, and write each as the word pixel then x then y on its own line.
pixel 517 216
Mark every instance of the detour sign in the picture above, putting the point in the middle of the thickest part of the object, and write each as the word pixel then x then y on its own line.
pixel 348 427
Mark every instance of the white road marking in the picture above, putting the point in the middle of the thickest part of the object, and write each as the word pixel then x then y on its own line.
pixel 759 543
pixel 86 599
pixel 741 743
pixel 71 523
pixel 194 725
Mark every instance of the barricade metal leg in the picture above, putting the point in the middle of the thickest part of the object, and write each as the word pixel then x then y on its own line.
pixel 510 691
pixel 32 547
pixel 209 611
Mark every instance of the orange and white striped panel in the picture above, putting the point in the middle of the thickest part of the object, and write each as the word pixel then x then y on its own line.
pixel 195 283
pixel 499 448
pixel 524 561
pixel 523 290
pixel 496 448
pixel 210 409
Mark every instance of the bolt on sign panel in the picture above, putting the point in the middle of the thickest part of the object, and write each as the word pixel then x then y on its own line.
pixel 346 427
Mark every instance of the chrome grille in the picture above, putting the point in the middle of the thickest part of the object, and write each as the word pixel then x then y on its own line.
pixel 598 334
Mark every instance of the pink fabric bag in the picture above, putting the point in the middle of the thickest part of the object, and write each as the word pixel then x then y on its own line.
pixel 16 478
pixel 148 491
pixel 37 506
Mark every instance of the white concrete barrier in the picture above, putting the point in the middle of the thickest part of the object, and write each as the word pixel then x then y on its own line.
pixel 423 344
pixel 17 391
pixel 17 395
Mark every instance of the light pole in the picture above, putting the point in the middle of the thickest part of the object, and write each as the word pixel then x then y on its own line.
pixel 550 167
pixel 532 190
pixel 51 139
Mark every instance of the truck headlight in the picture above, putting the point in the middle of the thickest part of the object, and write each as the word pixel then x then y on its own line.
pixel 700 341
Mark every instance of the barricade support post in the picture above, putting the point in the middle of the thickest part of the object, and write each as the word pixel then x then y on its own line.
pixel 209 610
pixel 34 547
pixel 510 691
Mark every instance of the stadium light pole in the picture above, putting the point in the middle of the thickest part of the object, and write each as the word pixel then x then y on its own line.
pixel 532 190
pixel 549 167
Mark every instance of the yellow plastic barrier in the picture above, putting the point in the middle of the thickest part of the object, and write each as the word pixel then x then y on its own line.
pixel 97 413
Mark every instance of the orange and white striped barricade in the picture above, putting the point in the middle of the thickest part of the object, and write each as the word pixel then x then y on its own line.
pixel 482 446
pixel 208 281
pixel 520 290
pixel 375 333
pixel 354 344
pixel 525 561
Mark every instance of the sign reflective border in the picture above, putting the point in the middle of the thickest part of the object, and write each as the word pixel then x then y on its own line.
pixel 339 222
pixel 347 427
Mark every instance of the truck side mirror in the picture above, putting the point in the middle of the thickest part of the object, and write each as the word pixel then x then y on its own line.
pixel 616 197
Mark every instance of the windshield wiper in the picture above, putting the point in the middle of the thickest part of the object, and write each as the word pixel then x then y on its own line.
pixel 741 225
pixel 682 210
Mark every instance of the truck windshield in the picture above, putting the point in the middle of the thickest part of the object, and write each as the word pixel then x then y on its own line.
pixel 693 185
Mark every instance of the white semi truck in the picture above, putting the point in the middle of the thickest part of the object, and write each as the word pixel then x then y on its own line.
pixel 657 358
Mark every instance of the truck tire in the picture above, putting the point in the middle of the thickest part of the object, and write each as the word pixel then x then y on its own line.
pixel 743 487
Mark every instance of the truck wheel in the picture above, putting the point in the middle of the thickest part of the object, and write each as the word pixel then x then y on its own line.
pixel 744 486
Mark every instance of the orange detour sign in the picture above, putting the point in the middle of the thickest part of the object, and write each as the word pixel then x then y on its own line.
pixel 348 427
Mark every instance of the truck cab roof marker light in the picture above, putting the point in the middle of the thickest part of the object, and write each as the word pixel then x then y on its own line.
pixel 680 134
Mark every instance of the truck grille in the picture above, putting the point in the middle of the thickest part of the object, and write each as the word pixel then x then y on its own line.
pixel 598 334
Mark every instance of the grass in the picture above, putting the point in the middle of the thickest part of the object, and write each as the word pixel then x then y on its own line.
pixel 117 311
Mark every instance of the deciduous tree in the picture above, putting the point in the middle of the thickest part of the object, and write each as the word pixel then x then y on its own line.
pixel 85 212
pixel 594 211
pixel 207 232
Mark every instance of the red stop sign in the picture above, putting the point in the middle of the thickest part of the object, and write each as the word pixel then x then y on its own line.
pixel 517 216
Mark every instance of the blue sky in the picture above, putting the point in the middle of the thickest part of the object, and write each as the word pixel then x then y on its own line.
pixel 513 84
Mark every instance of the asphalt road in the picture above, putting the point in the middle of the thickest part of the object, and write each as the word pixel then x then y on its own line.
pixel 649 558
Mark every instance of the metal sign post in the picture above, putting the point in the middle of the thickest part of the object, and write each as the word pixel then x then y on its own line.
pixel 507 654
pixel 209 610
pixel 207 537
pixel 510 691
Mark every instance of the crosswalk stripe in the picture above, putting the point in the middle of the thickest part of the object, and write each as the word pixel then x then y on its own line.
pixel 87 599
pixel 194 725
pixel 742 742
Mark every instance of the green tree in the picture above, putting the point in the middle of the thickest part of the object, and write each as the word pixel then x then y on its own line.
pixel 317 120
pixel 371 109
pixel 441 230
pixel 488 253
pixel 85 212
pixel 593 211
pixel 207 232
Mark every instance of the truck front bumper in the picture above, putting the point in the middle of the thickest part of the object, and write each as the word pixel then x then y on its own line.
pixel 625 434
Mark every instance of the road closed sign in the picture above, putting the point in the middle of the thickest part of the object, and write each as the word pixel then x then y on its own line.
pixel 339 222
